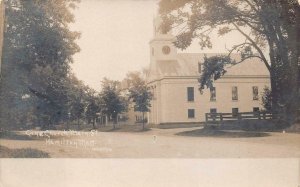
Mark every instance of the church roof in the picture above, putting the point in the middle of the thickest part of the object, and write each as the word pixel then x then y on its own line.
pixel 186 65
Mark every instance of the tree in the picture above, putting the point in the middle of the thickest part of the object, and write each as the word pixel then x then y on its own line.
pixel 37 54
pixel 77 96
pixel 139 93
pixel 213 69
pixel 272 25
pixel 267 99
pixel 93 108
pixel 113 102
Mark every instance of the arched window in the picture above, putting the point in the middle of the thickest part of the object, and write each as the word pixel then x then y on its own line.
pixel 199 67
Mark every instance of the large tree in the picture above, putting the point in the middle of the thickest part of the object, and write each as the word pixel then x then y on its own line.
pixel 77 95
pixel 113 102
pixel 38 50
pixel 267 25
pixel 93 110
pixel 139 93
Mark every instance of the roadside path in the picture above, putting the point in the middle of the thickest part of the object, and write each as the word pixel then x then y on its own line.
pixel 164 143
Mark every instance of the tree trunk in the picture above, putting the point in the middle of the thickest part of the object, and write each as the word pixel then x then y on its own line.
pixel 143 121
pixel 274 93
pixel 293 102
pixel 114 122
pixel 78 125
pixel 94 127
pixel 68 122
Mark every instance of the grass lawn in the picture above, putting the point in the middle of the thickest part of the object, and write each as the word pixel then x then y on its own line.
pixel 22 153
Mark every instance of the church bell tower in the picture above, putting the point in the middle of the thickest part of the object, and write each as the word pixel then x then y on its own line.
pixel 161 46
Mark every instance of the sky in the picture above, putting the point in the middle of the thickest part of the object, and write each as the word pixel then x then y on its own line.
pixel 115 37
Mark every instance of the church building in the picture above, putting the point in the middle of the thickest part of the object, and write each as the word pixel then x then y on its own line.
pixel 173 80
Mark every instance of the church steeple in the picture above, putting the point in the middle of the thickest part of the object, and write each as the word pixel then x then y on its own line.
pixel 157 22
pixel 162 47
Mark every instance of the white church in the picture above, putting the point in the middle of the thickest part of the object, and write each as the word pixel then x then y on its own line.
pixel 173 80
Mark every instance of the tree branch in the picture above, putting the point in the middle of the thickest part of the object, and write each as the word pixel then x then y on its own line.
pixel 238 46
pixel 255 46
pixel 252 56
pixel 252 6
pixel 250 25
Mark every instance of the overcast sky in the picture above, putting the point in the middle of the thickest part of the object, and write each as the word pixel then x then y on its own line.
pixel 115 38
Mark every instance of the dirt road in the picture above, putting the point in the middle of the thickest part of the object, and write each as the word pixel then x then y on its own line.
pixel 165 143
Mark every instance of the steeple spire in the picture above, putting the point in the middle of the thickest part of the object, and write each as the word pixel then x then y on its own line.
pixel 161 46
pixel 156 25
pixel 157 22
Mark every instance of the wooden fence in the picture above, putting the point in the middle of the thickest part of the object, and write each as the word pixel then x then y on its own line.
pixel 219 117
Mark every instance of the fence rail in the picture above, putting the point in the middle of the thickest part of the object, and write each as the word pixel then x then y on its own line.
pixel 219 117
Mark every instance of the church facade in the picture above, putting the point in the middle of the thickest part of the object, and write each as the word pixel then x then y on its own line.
pixel 173 81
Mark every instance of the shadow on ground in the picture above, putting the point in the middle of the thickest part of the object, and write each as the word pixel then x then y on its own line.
pixel 22 153
pixel 10 135
pixel 127 128
pixel 177 125
pixel 252 125
pixel 210 132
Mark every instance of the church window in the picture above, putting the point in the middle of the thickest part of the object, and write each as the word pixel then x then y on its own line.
pixel 235 112
pixel 166 50
pixel 213 94
pixel 199 67
pixel 235 93
pixel 255 109
pixel 190 93
pixel 255 92
pixel 213 110
pixel 191 113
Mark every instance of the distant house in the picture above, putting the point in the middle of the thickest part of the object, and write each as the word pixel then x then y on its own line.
pixel 173 80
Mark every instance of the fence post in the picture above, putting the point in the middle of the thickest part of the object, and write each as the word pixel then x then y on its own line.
pixel 221 117
pixel 213 117
pixel 239 116
pixel 259 117
pixel 206 117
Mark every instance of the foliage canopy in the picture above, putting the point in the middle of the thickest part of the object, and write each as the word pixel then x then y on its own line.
pixel 267 25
